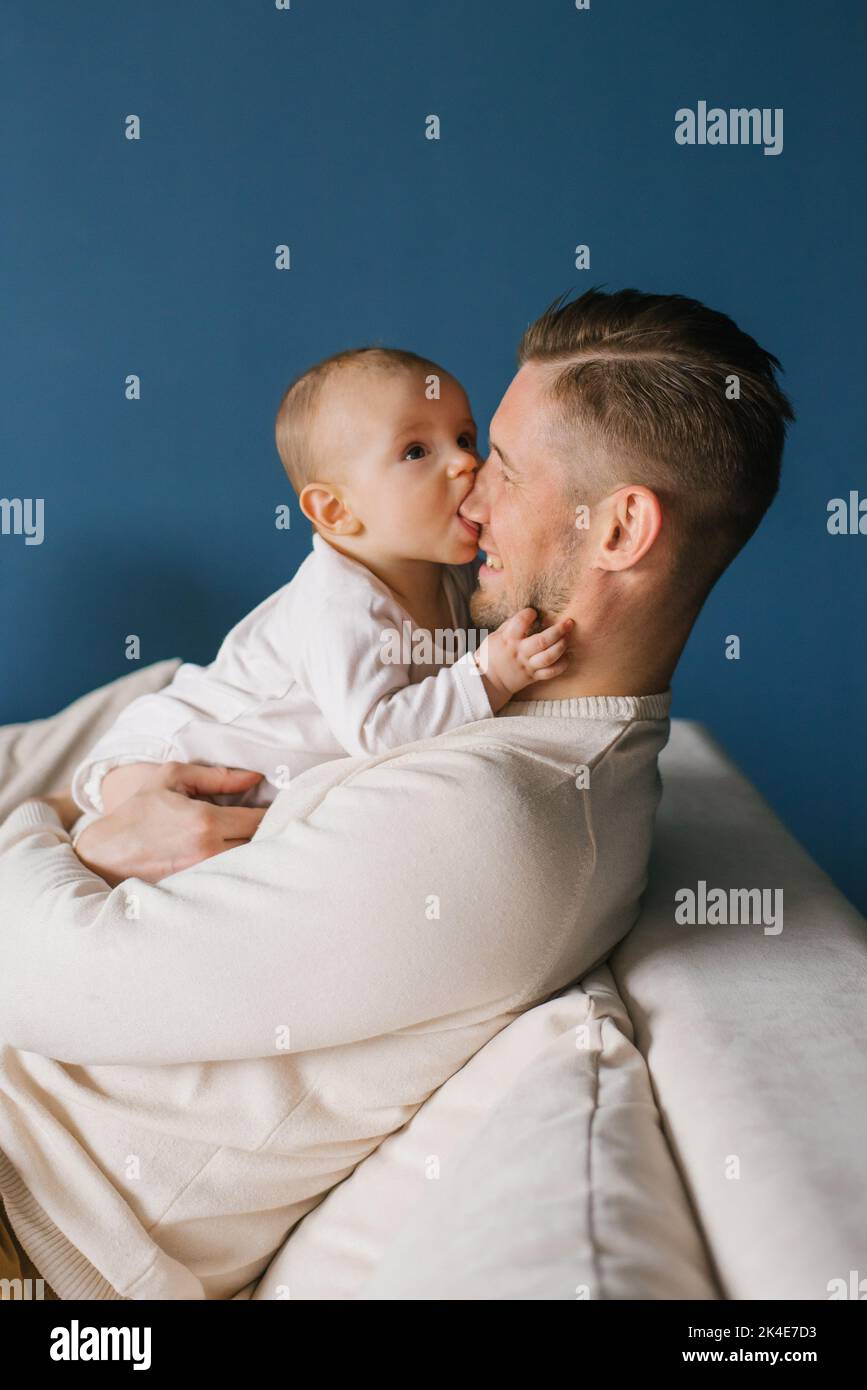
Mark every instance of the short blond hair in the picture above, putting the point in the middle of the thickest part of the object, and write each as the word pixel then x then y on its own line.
pixel 302 399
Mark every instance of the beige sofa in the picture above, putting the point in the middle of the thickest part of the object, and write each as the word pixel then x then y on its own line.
pixel 687 1122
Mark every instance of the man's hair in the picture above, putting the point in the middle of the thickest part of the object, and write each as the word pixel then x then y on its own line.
pixel 302 399
pixel 652 378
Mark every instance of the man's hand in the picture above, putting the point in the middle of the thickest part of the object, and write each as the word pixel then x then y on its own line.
pixel 162 829
pixel 120 783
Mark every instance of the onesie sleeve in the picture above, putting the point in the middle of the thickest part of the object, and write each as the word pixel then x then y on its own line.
pixel 146 730
pixel 356 663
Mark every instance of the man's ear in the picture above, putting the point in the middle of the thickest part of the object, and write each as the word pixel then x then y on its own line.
pixel 630 521
pixel 321 505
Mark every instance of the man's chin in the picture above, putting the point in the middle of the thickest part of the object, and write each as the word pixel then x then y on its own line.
pixel 487 611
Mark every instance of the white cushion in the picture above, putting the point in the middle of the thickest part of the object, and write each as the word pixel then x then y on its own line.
pixel 536 1171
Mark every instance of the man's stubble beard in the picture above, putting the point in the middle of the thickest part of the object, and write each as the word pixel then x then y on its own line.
pixel 549 592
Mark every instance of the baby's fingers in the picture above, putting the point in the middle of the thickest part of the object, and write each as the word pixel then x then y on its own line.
pixel 547 658
pixel 520 623
pixel 551 634
pixel 548 671
pixel 540 641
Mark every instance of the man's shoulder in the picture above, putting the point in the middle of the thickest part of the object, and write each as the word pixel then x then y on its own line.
pixel 489 768
pixel 522 770
pixel 473 755
pixel 484 760
pixel 551 745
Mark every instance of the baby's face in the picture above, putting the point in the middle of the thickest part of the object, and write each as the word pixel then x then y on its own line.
pixel 407 463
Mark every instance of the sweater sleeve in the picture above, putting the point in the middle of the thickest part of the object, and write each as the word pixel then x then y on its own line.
pixel 409 892
pixel 356 667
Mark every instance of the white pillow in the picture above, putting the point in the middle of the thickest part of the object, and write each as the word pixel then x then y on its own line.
pixel 537 1171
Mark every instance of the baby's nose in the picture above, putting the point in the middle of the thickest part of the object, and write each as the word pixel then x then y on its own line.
pixel 462 463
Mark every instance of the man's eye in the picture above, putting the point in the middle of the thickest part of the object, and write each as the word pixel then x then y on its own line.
pixel 413 448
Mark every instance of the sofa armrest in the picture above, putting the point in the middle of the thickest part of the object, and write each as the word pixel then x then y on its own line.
pixel 756 1038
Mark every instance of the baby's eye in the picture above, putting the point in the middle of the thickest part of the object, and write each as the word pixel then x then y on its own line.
pixel 470 444
pixel 412 448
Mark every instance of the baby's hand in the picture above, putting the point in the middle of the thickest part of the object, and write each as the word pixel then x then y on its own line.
pixel 509 659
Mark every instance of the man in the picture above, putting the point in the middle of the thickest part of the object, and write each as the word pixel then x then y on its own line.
pixel 190 1062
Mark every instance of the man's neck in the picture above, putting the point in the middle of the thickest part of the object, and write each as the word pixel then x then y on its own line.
pixel 607 681
pixel 638 662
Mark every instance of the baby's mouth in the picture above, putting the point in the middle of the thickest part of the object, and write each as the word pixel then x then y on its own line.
pixel 473 527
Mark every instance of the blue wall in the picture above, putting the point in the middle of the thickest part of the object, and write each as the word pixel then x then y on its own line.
pixel 306 126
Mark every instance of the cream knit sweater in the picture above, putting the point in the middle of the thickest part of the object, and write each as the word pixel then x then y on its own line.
pixel 186 1068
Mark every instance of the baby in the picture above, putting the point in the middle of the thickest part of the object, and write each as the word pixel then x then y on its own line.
pixel 348 657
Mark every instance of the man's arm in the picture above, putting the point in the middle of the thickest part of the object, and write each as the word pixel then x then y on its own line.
pixel 388 904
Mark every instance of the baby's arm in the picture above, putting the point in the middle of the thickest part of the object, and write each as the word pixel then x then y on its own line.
pixel 354 664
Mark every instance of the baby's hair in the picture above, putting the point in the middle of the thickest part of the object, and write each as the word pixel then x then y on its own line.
pixel 296 414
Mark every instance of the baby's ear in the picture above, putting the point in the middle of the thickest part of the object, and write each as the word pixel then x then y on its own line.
pixel 328 512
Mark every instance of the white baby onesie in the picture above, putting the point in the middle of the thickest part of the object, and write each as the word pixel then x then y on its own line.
pixel 321 669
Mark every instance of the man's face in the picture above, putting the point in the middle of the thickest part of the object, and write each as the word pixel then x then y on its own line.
pixel 520 500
